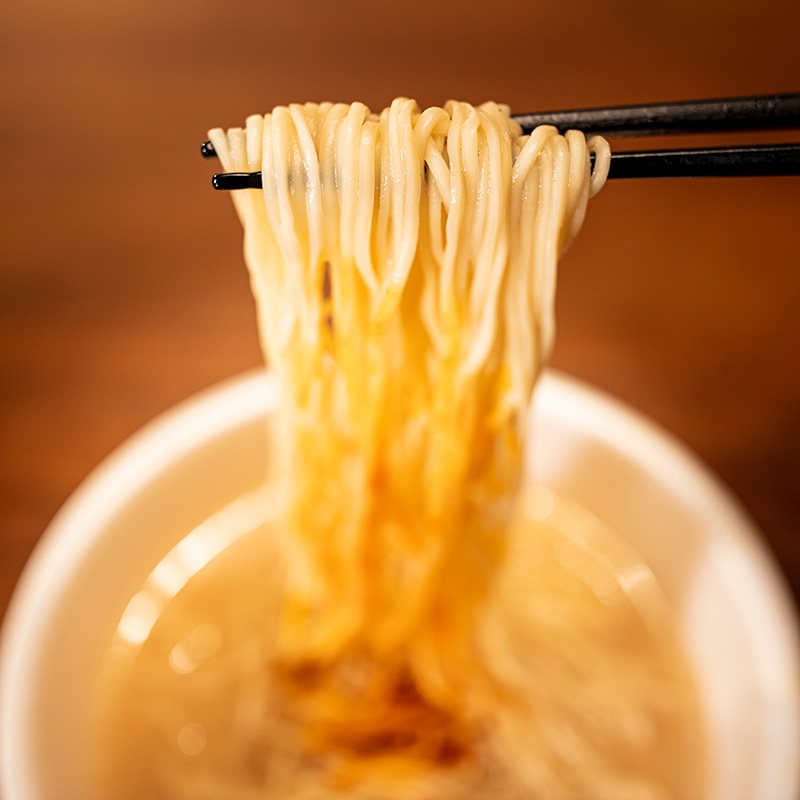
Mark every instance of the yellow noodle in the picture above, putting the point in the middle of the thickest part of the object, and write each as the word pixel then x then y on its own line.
pixel 436 236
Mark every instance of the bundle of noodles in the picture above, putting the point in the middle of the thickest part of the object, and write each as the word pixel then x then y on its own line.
pixel 404 266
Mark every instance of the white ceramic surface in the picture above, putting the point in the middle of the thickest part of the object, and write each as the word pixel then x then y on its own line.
pixel 735 616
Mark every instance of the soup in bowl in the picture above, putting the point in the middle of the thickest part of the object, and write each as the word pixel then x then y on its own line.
pixel 196 476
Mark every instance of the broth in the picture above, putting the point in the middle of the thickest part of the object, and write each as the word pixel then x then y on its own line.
pixel 590 698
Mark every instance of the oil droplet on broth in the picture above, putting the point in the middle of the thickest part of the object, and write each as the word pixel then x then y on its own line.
pixel 191 739
pixel 202 643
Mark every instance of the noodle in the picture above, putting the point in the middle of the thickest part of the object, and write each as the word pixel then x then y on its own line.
pixel 404 266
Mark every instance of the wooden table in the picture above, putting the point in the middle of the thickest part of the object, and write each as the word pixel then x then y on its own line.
pixel 122 289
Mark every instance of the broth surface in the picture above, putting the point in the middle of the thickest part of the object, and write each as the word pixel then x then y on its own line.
pixel 588 693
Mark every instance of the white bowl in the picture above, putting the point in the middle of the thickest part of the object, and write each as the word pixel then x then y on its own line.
pixel 735 617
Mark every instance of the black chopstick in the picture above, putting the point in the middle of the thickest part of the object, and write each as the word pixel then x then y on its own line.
pixel 758 112
pixel 707 162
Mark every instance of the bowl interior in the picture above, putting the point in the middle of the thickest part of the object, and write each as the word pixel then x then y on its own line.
pixel 734 616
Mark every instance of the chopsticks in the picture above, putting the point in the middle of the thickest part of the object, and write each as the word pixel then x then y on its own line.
pixel 754 113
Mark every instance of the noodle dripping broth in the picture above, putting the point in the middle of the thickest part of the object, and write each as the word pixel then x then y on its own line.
pixel 411 622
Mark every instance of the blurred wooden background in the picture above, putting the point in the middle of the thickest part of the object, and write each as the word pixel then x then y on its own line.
pixel 122 289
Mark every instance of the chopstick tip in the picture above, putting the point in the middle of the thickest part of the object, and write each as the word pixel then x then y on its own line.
pixel 231 181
